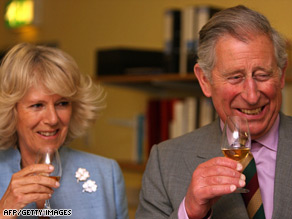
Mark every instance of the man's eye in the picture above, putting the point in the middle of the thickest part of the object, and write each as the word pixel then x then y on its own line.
pixel 235 79
pixel 262 77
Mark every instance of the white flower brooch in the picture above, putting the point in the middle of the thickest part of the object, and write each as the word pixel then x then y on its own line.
pixel 82 174
pixel 89 186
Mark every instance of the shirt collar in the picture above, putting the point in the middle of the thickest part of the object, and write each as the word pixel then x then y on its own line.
pixel 270 139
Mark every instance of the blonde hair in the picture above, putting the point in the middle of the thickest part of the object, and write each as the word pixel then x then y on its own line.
pixel 26 65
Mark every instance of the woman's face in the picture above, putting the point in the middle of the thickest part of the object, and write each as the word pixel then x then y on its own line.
pixel 42 120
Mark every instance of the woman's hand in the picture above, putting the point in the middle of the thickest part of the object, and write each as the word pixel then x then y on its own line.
pixel 28 185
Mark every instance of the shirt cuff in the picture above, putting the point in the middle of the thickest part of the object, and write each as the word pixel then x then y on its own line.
pixel 182 213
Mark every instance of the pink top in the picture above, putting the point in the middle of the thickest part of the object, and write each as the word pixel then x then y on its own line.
pixel 265 158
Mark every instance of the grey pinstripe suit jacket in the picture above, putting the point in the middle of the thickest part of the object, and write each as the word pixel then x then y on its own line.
pixel 171 164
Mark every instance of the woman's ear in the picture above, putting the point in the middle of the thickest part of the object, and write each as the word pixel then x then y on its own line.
pixel 203 80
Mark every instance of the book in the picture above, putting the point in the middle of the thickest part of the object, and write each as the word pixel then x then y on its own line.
pixel 166 116
pixel 191 105
pixel 184 116
pixel 139 128
pixel 153 129
pixel 172 25
pixel 177 124
pixel 206 111
pixel 193 19
pixel 187 49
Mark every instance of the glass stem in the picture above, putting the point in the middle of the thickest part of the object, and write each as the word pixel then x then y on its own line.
pixel 47 205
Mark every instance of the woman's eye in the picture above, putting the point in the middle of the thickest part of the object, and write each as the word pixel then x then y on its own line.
pixel 63 103
pixel 37 105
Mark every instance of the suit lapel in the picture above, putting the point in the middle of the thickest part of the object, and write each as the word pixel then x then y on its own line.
pixel 204 146
pixel 283 176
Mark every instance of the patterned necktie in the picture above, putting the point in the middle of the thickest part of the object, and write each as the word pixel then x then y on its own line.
pixel 252 199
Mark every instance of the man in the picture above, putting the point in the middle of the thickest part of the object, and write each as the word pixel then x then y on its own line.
pixel 241 66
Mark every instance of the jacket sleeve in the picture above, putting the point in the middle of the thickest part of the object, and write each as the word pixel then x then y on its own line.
pixel 120 192
pixel 154 200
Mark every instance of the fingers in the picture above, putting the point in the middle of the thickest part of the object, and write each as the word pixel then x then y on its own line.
pixel 35 179
pixel 222 161
pixel 212 179
pixel 35 169
pixel 20 197
pixel 33 188
pixel 28 185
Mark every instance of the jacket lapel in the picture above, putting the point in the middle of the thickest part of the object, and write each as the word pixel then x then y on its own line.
pixel 204 146
pixel 283 176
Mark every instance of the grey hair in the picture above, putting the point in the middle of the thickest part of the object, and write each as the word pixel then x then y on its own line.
pixel 239 22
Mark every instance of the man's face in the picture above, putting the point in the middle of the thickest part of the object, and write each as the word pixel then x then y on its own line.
pixel 246 82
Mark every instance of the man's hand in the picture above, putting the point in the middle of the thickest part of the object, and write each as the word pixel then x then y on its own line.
pixel 211 180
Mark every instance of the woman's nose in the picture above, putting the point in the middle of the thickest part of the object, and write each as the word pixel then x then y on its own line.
pixel 51 116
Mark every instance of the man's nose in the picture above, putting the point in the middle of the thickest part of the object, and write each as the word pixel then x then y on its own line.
pixel 250 91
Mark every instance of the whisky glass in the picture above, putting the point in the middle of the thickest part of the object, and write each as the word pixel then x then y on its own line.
pixel 236 141
pixel 52 157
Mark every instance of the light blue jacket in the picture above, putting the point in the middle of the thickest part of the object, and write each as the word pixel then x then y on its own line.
pixel 109 201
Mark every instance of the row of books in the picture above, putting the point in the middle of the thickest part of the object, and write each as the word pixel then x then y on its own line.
pixel 181 37
pixel 169 118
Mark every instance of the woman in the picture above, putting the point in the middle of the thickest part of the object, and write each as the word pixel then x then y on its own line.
pixel 45 102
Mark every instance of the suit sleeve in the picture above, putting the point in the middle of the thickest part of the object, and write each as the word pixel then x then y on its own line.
pixel 154 200
pixel 120 192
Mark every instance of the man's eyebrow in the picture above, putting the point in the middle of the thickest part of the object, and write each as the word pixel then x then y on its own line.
pixel 269 70
pixel 232 72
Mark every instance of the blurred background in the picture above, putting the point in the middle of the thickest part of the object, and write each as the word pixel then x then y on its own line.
pixel 83 28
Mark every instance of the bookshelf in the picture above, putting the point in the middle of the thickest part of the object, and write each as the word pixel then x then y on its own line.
pixel 147 78
pixel 168 85
pixel 132 166
pixel 163 85
pixel 160 85
pixel 160 79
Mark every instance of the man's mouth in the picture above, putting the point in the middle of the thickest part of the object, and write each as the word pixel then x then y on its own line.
pixel 47 134
pixel 251 111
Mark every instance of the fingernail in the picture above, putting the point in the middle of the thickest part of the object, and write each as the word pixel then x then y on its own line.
pixel 242 176
pixel 57 184
pixel 241 182
pixel 51 167
pixel 232 188
pixel 239 167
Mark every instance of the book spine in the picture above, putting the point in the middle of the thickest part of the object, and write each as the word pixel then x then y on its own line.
pixel 172 40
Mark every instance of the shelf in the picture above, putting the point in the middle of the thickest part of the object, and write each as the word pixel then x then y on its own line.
pixel 170 84
pixel 164 85
pixel 147 78
pixel 132 167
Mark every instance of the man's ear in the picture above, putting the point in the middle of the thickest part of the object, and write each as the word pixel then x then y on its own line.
pixel 203 80
pixel 282 79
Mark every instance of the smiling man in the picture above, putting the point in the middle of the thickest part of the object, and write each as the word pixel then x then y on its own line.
pixel 241 66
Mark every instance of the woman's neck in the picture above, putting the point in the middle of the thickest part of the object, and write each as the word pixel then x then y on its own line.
pixel 27 158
